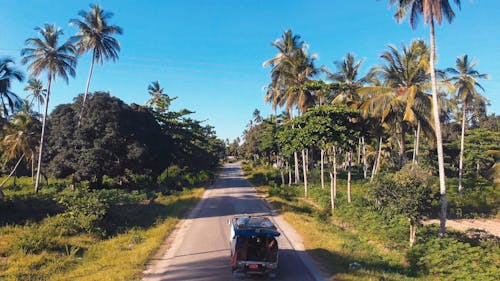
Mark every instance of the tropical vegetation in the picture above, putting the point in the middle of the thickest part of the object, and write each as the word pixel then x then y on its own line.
pixel 110 179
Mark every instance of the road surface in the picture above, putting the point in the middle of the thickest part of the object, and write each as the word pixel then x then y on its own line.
pixel 199 248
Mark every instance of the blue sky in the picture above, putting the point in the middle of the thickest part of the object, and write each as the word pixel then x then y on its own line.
pixel 209 53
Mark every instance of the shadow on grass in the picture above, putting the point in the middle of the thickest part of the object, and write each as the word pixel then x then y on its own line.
pixel 143 215
pixel 343 263
pixel 20 210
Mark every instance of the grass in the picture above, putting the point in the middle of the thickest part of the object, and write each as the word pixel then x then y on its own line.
pixel 336 248
pixel 358 242
pixel 135 231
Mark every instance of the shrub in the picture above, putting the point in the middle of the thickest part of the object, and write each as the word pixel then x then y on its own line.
pixel 450 259
pixel 203 177
pixel 85 210
pixel 171 178
pixel 35 238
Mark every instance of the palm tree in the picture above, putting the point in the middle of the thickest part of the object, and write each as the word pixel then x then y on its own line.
pixel 289 47
pixel 432 11
pixel 37 92
pixel 158 99
pixel 347 72
pixel 8 99
pixel 45 55
pixel 465 82
pixel 96 35
pixel 404 79
pixel 256 116
pixel 20 139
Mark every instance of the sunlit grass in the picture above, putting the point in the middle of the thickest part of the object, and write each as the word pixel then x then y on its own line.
pixel 88 257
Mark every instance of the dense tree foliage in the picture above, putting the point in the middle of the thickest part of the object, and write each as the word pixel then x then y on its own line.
pixel 115 139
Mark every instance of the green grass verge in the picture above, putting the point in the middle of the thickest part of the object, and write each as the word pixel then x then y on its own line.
pixel 89 257
pixel 358 242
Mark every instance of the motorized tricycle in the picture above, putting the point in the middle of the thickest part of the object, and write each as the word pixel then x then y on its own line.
pixel 254 248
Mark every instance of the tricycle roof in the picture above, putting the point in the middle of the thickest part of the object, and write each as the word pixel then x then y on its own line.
pixel 252 226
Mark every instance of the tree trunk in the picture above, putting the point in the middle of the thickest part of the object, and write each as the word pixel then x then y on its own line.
pixel 333 179
pixel 304 169
pixel 10 175
pixel 376 163
pixel 282 172
pixel 439 141
pixel 87 88
pixel 322 169
pixel 289 174
pixel 462 140
pixel 365 163
pixel 413 232
pixel 349 160
pixel 402 147
pixel 416 149
pixel 32 167
pixel 359 151
pixel 297 175
pixel 44 120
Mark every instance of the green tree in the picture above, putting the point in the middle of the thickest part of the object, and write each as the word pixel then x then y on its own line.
pixel 292 69
pixel 347 73
pixel 408 193
pixel 400 100
pixel 432 11
pixel 45 55
pixel 20 140
pixel 465 81
pixel 96 34
pixel 8 100
pixel 37 92
pixel 158 99
pixel 330 128
pixel 113 139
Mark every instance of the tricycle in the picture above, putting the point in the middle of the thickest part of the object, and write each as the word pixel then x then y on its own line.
pixel 254 248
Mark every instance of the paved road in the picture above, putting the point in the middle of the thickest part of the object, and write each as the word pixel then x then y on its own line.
pixel 199 248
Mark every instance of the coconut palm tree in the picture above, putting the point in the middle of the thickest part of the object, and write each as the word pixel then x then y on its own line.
pixel 404 80
pixel 45 55
pixel 158 99
pixel 347 73
pixel 296 71
pixel 289 47
pixel 37 92
pixel 20 139
pixel 433 12
pixel 465 81
pixel 96 35
pixel 8 99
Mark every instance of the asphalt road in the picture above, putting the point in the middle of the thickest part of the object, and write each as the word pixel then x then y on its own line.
pixel 199 248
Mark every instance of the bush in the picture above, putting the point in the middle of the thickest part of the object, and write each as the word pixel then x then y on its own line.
pixel 203 177
pixel 85 210
pixel 450 259
pixel 171 178
pixel 35 238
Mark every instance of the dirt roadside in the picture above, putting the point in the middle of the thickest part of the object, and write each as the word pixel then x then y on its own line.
pixel 491 226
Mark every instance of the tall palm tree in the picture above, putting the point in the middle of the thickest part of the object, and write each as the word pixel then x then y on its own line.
pixel 8 99
pixel 20 139
pixel 290 46
pixel 45 55
pixel 37 92
pixel 465 82
pixel 404 79
pixel 432 11
pixel 96 35
pixel 292 73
